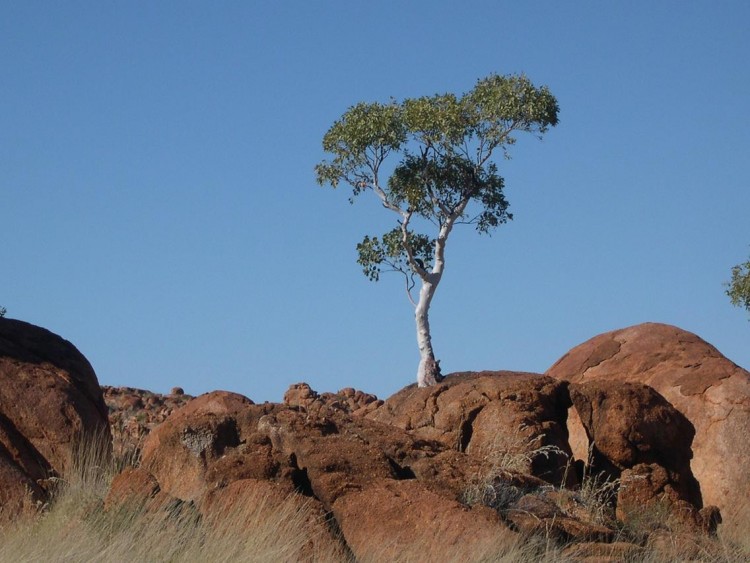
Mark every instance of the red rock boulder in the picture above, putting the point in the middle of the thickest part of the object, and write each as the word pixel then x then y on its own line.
pixel 404 521
pixel 712 392
pixel 631 424
pixel 512 420
pixel 49 400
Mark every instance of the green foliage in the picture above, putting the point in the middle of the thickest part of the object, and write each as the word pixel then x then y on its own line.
pixel 738 289
pixel 3 310
pixel 442 173
pixel 375 253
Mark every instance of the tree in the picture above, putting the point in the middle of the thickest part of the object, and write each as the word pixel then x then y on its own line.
pixel 444 175
pixel 3 310
pixel 738 289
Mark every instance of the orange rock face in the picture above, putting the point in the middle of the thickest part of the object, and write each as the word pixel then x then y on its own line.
pixel 484 413
pixel 49 399
pixel 712 392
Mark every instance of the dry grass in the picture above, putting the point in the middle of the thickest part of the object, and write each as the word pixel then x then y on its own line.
pixel 75 528
pixel 661 537
pixel 516 451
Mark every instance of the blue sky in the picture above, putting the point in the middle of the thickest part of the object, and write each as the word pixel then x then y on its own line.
pixel 159 206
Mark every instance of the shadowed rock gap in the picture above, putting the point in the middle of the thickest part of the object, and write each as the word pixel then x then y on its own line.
pixel 300 479
pixel 401 472
pixel 466 429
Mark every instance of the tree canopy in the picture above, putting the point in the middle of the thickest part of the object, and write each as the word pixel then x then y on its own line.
pixel 444 174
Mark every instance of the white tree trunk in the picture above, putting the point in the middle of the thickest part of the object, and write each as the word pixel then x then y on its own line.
pixel 428 372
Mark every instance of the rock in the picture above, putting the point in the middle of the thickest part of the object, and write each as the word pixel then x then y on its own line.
pixel 630 424
pixel 511 420
pixel 19 494
pixel 219 438
pixel 50 401
pixel 650 488
pixel 598 552
pixel 649 496
pixel 178 451
pixel 131 488
pixel 177 391
pixel 392 520
pixel 300 395
pixel 712 392
pixel 133 413
pixel 537 514
pixel 348 400
pixel 340 453
pixel 221 446
pixel 297 524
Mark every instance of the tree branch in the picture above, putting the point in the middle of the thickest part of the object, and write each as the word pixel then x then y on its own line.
pixel 420 271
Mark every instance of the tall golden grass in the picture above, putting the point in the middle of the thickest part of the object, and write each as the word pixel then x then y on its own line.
pixel 74 528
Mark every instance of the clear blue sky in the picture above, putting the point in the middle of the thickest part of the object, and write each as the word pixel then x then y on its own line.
pixel 159 207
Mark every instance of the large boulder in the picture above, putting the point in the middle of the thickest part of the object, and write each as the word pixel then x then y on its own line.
pixel 512 420
pixel 712 392
pixel 404 521
pixel 208 430
pixel 631 424
pixel 50 400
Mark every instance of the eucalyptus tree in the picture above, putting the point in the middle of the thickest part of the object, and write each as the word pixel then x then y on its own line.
pixel 431 162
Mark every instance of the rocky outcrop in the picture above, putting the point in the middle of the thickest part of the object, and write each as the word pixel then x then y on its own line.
pixel 333 458
pixel 712 392
pixel 50 400
pixel 371 479
pixel 134 413
pixel 348 400
pixel 647 489
pixel 509 419
pixel 375 489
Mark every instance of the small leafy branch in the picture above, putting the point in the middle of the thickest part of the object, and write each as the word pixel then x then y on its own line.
pixel 738 289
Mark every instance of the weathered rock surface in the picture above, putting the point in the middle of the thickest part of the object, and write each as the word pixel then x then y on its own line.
pixel 242 504
pixel 631 424
pixel 650 488
pixel 423 481
pixel 180 450
pixel 542 514
pixel 135 488
pixel 501 417
pixel 712 392
pixel 49 399
pixel 134 413
pixel 392 520
pixel 348 400
pixel 221 441
pixel 598 552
